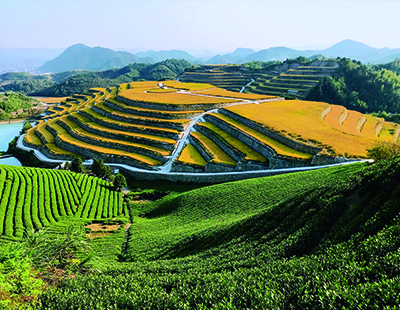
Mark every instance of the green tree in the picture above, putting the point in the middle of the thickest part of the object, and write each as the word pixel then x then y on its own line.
pixel 384 150
pixel 100 169
pixel 77 166
pixel 27 125
pixel 119 182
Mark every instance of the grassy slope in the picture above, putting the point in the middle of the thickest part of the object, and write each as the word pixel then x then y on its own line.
pixel 321 239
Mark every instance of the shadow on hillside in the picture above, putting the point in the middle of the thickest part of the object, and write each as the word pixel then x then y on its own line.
pixel 273 226
pixel 357 207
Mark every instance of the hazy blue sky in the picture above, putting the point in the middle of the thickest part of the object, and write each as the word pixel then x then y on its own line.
pixel 203 25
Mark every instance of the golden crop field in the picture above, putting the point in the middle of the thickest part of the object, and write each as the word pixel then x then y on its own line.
pixel 101 128
pixel 352 123
pixel 83 133
pixel 251 155
pixel 219 92
pixel 191 156
pixel 187 86
pixel 278 147
pixel 303 119
pixel 162 90
pixel 98 149
pixel 143 84
pixel 171 98
pixel 219 155
pixel 128 126
pixel 131 116
pixel 50 99
pixel 57 150
pixel 369 129
pixel 133 109
pixel 30 136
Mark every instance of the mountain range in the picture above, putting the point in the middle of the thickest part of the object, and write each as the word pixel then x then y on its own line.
pixel 80 56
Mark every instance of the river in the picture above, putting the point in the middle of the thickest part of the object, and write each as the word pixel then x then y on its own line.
pixel 7 133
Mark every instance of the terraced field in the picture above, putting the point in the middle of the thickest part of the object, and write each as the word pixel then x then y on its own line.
pixel 295 82
pixel 138 123
pixel 317 124
pixel 231 77
pixel 39 198
pixel 188 127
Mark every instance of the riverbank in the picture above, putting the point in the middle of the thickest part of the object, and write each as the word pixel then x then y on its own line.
pixel 17 121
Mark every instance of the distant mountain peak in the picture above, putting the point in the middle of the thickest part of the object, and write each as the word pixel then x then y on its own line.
pixel 80 56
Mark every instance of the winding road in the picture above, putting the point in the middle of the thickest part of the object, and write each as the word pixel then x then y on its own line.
pixel 164 170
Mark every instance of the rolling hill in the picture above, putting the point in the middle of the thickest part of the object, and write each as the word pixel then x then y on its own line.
pixel 313 240
pixel 80 56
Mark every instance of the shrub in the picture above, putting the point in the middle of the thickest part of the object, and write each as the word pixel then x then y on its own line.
pixel 384 150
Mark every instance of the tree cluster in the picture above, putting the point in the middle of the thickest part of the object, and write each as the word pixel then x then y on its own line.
pixel 99 169
pixel 360 87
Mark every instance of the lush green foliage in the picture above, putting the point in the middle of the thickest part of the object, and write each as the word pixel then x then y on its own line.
pixel 77 82
pixel 13 102
pixel 392 66
pixel 20 285
pixel 100 170
pixel 119 182
pixel 360 87
pixel 34 198
pixel 384 150
pixel 77 165
pixel 325 239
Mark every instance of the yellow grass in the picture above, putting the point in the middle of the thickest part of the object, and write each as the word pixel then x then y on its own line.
pixel 389 131
pixel 107 151
pixel 31 137
pixel 370 126
pixel 278 147
pixel 45 133
pixel 51 99
pixel 352 123
pixel 190 155
pixel 127 125
pixel 144 84
pixel 96 126
pixel 219 155
pixel 162 90
pixel 171 98
pixel 303 119
pixel 132 109
pixel 57 150
pixel 251 155
pixel 127 115
pixel 332 118
pixel 83 133
pixel 219 92
pixel 187 86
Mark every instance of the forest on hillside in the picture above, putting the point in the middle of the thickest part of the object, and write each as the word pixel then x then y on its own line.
pixel 76 82
pixel 360 87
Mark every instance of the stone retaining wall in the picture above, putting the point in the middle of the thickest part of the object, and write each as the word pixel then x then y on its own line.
pixel 112 145
pixel 93 154
pixel 201 149
pixel 154 114
pixel 206 178
pixel 178 166
pixel 159 133
pixel 140 121
pixel 170 107
pixel 273 135
pixel 250 141
pixel 46 151
pixel 226 147
pixel 275 160
pixel 115 135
